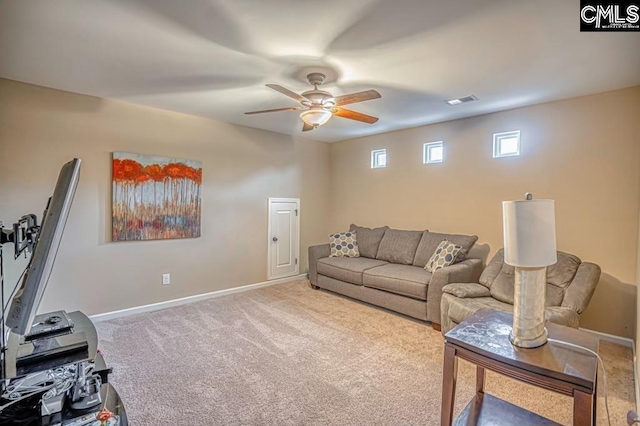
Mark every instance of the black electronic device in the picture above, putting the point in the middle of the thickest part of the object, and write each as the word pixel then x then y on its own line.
pixel 47 324
pixel 49 348
pixel 45 245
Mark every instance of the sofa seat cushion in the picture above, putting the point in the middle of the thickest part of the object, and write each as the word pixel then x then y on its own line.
pixel 466 290
pixel 460 309
pixel 347 269
pixel 404 280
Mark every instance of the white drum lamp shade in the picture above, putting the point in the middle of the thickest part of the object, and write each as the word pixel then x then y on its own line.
pixel 529 233
pixel 530 246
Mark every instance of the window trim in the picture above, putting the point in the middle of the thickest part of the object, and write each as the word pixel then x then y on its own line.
pixel 374 158
pixel 498 137
pixel 426 152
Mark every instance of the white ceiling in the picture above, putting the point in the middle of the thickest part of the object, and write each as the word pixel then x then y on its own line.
pixel 213 57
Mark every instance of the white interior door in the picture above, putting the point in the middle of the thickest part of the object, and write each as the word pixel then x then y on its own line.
pixel 284 243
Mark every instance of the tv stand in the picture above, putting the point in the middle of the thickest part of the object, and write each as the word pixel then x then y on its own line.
pixel 78 346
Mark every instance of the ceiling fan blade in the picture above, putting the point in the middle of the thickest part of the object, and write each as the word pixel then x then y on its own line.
pixel 286 92
pixel 306 127
pixel 275 110
pixel 352 98
pixel 353 115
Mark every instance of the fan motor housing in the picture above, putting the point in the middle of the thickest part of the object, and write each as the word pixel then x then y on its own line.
pixel 318 97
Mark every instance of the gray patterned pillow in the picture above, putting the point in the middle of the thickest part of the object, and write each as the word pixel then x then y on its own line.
pixel 444 255
pixel 344 245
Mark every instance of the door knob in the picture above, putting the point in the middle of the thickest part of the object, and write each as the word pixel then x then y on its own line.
pixel 275 239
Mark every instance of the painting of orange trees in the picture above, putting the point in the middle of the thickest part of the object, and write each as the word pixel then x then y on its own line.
pixel 155 198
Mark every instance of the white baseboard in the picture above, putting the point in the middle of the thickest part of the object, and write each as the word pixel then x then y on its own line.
pixel 623 341
pixel 190 299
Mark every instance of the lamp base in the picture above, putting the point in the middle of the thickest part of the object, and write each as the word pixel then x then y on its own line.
pixel 528 308
pixel 535 342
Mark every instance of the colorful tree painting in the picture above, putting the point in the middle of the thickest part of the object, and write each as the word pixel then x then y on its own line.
pixel 155 198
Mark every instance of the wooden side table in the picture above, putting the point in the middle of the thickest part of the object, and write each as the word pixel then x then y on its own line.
pixel 483 339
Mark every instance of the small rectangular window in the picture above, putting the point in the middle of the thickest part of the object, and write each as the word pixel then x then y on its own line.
pixel 433 152
pixel 378 158
pixel 506 144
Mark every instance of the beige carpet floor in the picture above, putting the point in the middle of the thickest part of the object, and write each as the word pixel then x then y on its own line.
pixel 290 355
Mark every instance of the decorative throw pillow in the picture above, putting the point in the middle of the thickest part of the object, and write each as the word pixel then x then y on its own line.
pixel 344 245
pixel 444 255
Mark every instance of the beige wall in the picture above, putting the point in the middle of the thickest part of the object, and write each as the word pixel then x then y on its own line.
pixel 41 128
pixel 582 152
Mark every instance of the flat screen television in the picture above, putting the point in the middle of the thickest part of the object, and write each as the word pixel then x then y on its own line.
pixel 27 298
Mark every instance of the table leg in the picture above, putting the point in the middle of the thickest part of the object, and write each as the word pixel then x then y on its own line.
pixel 480 379
pixel 449 376
pixel 595 401
pixel 582 408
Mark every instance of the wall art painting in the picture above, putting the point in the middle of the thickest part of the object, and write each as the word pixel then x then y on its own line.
pixel 155 198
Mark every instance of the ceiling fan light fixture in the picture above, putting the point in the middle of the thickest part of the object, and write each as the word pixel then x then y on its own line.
pixel 315 117
pixel 318 105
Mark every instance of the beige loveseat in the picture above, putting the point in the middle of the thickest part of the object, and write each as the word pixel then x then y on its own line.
pixel 570 285
pixel 390 270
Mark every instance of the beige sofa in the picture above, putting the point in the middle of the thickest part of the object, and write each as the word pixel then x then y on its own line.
pixel 570 285
pixel 390 270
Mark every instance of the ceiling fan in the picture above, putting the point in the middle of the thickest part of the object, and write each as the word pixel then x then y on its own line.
pixel 318 106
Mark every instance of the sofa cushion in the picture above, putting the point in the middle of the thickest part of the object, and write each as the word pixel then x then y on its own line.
pixel 444 255
pixel 368 239
pixel 466 290
pixel 460 309
pixel 347 269
pixel 344 245
pixel 405 280
pixel 399 246
pixel 561 273
pixel 503 288
pixel 562 316
pixel 429 243
pixel 500 278
pixel 493 269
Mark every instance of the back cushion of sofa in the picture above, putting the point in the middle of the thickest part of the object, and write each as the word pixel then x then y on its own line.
pixel 368 239
pixel 399 246
pixel 429 244
pixel 493 269
pixel 561 274
pixel 500 278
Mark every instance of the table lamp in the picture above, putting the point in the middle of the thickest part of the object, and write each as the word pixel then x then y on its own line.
pixel 529 245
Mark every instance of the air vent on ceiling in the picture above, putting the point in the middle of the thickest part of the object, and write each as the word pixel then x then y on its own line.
pixel 462 100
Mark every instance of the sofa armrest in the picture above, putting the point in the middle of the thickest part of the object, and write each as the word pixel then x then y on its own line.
pixel 563 316
pixel 467 271
pixel 579 293
pixel 315 253
pixel 466 290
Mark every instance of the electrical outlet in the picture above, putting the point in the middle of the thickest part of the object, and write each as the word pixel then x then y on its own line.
pixel 166 279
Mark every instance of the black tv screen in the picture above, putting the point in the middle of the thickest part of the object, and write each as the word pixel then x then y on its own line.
pixel 27 299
